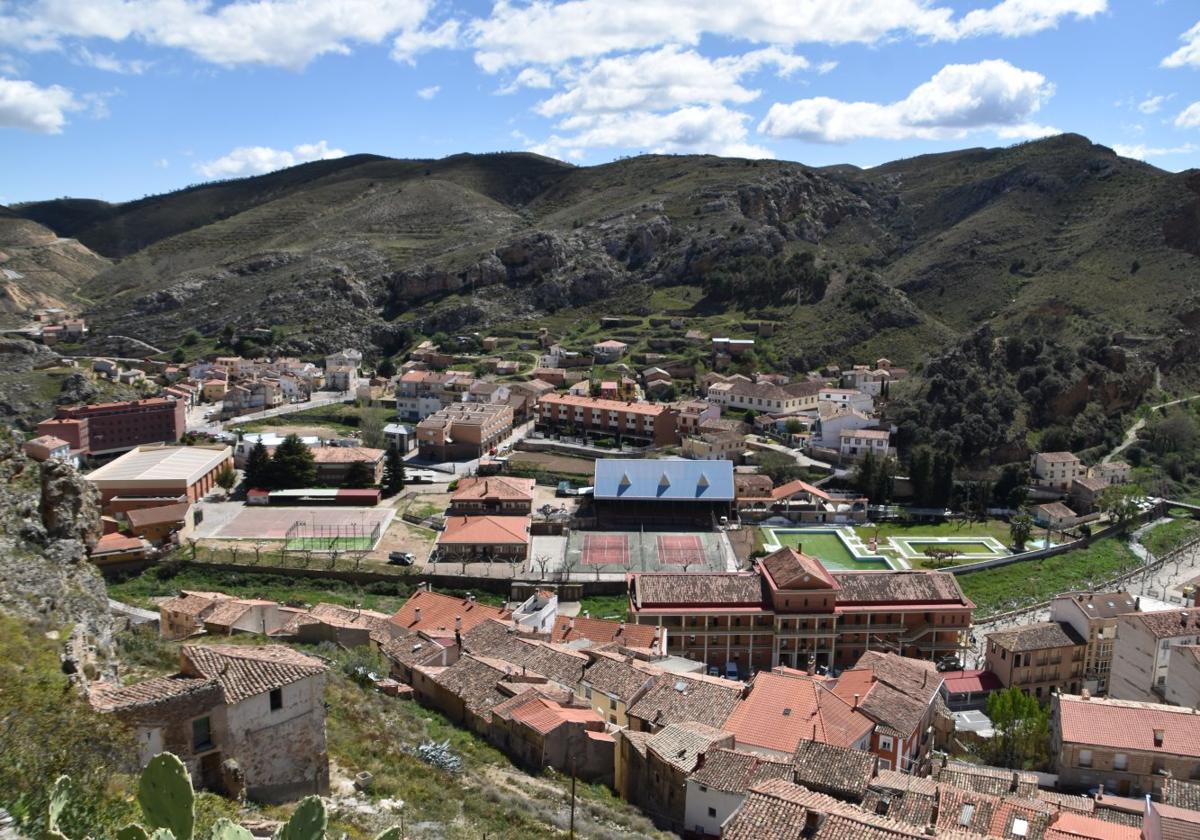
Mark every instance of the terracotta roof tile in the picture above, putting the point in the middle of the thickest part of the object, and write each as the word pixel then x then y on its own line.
pixel 980 778
pixel 543 715
pixel 789 569
pixel 244 670
pixel 602 631
pixel 617 678
pixel 838 771
pixel 965 810
pixel 193 603
pixel 742 589
pixel 499 488
pixel 1168 623
pixel 782 710
pixel 764 815
pixel 153 693
pixel 899 587
pixel 1182 794
pixel 485 530
pixel 681 744
pixel 733 771
pixel 437 613
pixel 1125 724
pixel 475 681
pixel 1040 636
pixel 1069 825
pixel 674 698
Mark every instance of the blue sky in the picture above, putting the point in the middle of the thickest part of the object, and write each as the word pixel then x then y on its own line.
pixel 116 99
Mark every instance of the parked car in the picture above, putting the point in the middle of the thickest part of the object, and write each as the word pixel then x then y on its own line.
pixel 949 662
pixel 731 671
pixel 714 671
pixel 402 558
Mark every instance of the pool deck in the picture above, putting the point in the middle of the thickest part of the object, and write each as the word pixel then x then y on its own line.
pixel 853 544
pixel 897 552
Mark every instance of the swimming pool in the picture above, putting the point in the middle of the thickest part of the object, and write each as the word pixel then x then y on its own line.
pixel 835 548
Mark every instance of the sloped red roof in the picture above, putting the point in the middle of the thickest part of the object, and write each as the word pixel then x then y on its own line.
pixel 782 710
pixel 438 613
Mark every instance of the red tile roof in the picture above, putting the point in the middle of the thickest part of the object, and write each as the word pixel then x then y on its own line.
pixel 601 631
pixel 485 530
pixel 1069 825
pixel 438 613
pixel 544 715
pixel 244 670
pixel 782 710
pixel 962 682
pixel 1122 724
pixel 649 409
pixel 789 569
pixel 495 487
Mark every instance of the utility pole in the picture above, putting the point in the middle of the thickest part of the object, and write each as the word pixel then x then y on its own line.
pixel 572 835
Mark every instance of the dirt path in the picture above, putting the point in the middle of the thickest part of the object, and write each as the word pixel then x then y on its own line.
pixel 1131 434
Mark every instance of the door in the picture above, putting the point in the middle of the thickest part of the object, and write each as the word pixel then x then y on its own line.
pixel 210 772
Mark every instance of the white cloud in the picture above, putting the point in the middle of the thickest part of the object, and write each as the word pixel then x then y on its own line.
pixel 24 104
pixel 1189 117
pixel 1013 18
pixel 663 79
pixel 530 77
pixel 412 42
pixel 282 33
pixel 542 32
pixel 429 92
pixel 255 160
pixel 111 64
pixel 826 67
pixel 1189 54
pixel 1141 151
pixel 958 99
pixel 713 129
pixel 161 163
pixel 1151 104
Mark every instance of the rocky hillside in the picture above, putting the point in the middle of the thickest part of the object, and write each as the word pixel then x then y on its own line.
pixel 38 269
pixel 34 379
pixel 48 516
pixel 1055 236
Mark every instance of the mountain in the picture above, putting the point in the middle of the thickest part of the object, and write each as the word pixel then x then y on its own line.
pixel 38 269
pixel 1059 236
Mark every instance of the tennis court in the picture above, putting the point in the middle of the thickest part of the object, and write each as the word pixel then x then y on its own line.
pixel 621 552
pixel 310 529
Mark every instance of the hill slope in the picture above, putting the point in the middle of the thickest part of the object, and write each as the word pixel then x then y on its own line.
pixel 1059 235
pixel 38 269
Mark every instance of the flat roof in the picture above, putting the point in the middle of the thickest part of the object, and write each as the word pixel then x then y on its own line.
pixel 157 464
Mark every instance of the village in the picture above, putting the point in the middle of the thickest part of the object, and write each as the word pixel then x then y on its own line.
pixel 786 630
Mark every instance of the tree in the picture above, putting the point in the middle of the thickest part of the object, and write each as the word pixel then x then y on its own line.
pixel 359 475
pixel 370 428
pixel 1020 527
pixel 881 488
pixel 1121 503
pixel 865 474
pixel 292 465
pixel 258 467
pixel 227 478
pixel 920 475
pixel 1022 727
pixel 778 467
pixel 386 368
pixel 793 426
pixel 178 356
pixel 393 472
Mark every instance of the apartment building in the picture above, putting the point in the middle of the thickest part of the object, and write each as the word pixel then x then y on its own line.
pixel 111 428
pixel 1182 687
pixel 420 393
pixel 1093 616
pixel 632 422
pixel 463 431
pixel 740 393
pixel 1055 470
pixel 1142 651
pixel 1130 748
pixel 792 611
pixel 858 443
pixel 1039 659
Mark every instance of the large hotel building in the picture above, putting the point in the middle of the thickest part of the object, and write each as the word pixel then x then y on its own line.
pixel 792 611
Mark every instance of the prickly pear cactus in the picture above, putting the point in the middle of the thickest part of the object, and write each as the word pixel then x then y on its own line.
pixel 223 829
pixel 60 795
pixel 132 832
pixel 308 821
pixel 165 794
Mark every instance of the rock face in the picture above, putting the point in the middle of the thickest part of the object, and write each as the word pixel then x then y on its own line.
pixel 48 515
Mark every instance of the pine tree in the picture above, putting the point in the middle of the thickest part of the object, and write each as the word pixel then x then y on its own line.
pixel 359 475
pixel 393 473
pixel 258 467
pixel 293 465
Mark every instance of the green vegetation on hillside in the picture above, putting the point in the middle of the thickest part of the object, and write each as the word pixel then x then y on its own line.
pixel 1009 587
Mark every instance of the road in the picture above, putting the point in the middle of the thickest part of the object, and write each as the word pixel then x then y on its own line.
pixel 196 421
pixel 803 460
pixel 1131 433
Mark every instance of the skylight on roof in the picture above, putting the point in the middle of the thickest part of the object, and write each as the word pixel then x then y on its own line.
pixel 1020 827
pixel 966 815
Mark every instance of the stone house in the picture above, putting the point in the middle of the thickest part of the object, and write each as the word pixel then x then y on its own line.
pixel 1086 492
pixel 717 788
pixel 1055 515
pixel 1055 470
pixel 657 780
pixel 609 350
pixel 1129 747
pixel 242 719
pixel 540 731
pixel 1039 659
pixel 183 615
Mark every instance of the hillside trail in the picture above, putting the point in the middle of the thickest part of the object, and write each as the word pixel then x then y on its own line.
pixel 1131 433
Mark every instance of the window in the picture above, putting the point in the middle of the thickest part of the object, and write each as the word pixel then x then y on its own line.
pixel 1085 758
pixel 276 699
pixel 612 702
pixel 1121 762
pixel 712 812
pixel 885 743
pixel 201 734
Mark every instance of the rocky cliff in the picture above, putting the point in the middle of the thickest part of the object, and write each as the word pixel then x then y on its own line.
pixel 48 516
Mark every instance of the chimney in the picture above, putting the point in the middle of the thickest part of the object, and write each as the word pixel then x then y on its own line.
pixel 620 628
pixel 1100 791
pixel 855 701
pixel 458 624
pixel 1137 604
pixel 571 624
pixel 1159 735
pixel 587 613
pixel 417 615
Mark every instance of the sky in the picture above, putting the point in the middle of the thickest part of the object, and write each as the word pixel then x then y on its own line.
pixel 117 99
